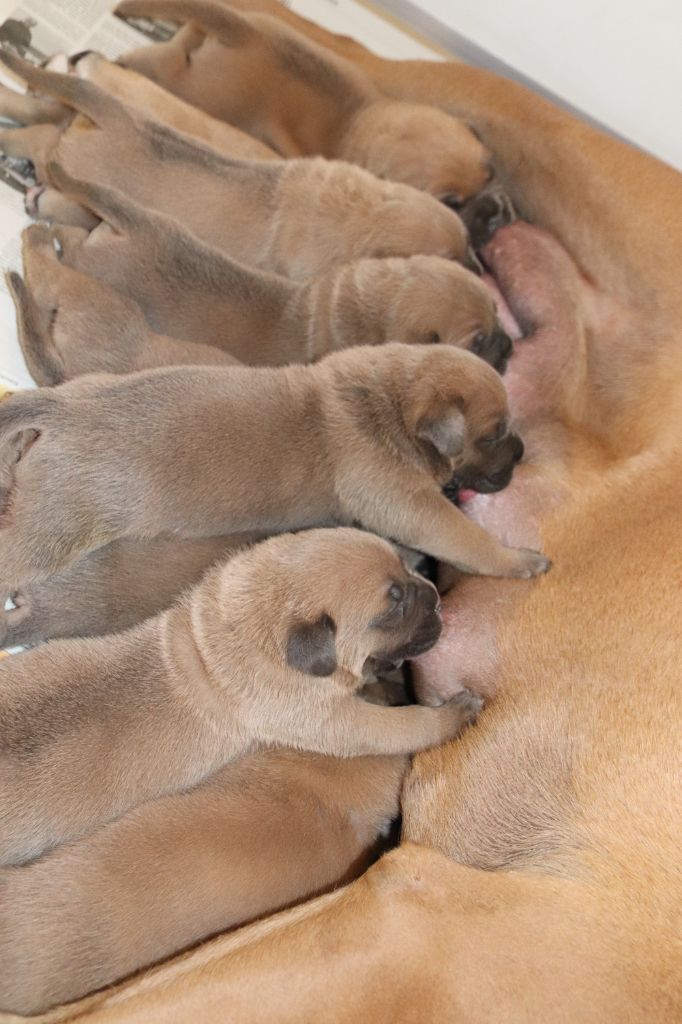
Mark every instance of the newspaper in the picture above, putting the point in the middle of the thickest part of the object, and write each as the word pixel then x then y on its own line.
pixel 39 29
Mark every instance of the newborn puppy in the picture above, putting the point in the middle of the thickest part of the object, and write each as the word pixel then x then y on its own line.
pixel 296 217
pixel 70 324
pixel 190 290
pixel 258 73
pixel 260 834
pixel 368 436
pixel 92 728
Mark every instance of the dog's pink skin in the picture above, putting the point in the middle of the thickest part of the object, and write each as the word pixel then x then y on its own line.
pixel 543 287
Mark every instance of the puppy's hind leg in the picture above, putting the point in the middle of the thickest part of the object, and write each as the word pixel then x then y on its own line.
pixel 36 144
pixel 108 204
pixel 70 241
pixel 45 203
pixel 33 327
pixel 27 109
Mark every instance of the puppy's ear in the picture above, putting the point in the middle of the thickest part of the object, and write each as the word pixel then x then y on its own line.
pixel 311 647
pixel 447 432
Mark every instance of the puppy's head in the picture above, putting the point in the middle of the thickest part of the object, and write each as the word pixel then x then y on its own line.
pixel 428 300
pixel 457 414
pixel 420 146
pixel 326 601
pixel 403 221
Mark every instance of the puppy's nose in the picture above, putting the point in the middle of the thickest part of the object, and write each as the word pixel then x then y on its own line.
pixel 517 448
pixel 484 214
pixel 495 348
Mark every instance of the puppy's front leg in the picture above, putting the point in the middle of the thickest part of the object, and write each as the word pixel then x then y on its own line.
pixel 426 521
pixel 357 728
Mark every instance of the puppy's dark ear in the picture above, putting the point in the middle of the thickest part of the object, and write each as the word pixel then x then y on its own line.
pixel 447 433
pixel 311 647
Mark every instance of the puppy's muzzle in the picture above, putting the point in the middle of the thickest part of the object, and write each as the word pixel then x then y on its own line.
pixel 422 624
pixel 485 213
pixel 495 476
pixel 495 348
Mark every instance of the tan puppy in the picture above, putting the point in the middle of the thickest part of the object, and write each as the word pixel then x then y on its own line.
pixel 261 833
pixel 299 98
pixel 70 324
pixel 259 212
pixel 553 893
pixel 190 290
pixel 92 728
pixel 368 436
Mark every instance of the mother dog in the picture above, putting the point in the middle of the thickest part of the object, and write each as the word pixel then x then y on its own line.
pixel 538 879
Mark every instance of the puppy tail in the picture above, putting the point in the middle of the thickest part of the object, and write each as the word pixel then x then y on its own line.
pixel 84 96
pixel 212 16
pixel 42 358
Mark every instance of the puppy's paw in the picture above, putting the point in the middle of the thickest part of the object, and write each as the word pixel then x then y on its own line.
pixel 470 703
pixel 32 200
pixel 460 711
pixel 530 563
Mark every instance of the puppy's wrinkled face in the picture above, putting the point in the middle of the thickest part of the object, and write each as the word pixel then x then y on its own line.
pixel 355 600
pixel 460 418
pixel 433 301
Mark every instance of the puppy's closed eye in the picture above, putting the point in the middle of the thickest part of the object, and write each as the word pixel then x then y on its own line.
pixel 497 435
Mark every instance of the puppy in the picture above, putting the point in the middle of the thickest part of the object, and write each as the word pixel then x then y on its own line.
pixel 190 290
pixel 368 436
pixel 92 728
pixel 70 324
pixel 301 99
pixel 261 833
pixel 259 212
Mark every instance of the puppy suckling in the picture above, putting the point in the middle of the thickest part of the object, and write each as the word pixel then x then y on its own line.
pixel 296 217
pixel 192 291
pixel 70 324
pixel 369 436
pixel 263 832
pixel 300 98
pixel 92 728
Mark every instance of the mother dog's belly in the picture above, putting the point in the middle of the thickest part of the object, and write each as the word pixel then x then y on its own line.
pixel 542 287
